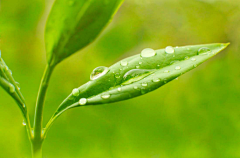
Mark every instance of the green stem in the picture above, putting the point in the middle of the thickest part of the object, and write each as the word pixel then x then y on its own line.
pixel 40 103
pixel 36 149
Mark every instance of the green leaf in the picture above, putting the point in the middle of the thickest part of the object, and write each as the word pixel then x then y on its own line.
pixel 139 74
pixel 73 24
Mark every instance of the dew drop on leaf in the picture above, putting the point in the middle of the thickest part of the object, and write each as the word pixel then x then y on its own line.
pixel 135 87
pixel 124 63
pixel 119 89
pixel 75 92
pixel 193 59
pixel 117 75
pixel 11 89
pixel 24 123
pixel 140 62
pixel 82 101
pixel 137 66
pixel 203 50
pixel 144 84
pixel 148 52
pixel 177 68
pixel 105 96
pixel 99 72
pixel 156 79
pixel 169 50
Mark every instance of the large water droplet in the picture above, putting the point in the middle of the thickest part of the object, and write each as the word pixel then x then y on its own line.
pixel 105 96
pixel 144 84
pixel 117 75
pixel 24 123
pixel 135 75
pixel 203 50
pixel 177 68
pixel 156 79
pixel 148 52
pixel 75 92
pixel 11 89
pixel 82 101
pixel 124 63
pixel 99 72
pixel 169 50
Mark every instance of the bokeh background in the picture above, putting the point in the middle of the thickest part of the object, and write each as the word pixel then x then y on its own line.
pixel 196 116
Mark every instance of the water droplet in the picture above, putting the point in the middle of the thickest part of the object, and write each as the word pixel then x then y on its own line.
pixel 18 85
pixel 24 123
pixel 117 75
pixel 135 87
pixel 177 68
pixel 193 59
pixel 82 101
pixel 99 72
pixel 144 84
pixel 105 96
pixel 119 89
pixel 135 75
pixel 176 78
pixel 140 62
pixel 156 79
pixel 71 3
pixel 186 58
pixel 75 92
pixel 166 71
pixel 195 65
pixel 11 89
pixel 137 66
pixel 124 63
pixel 203 50
pixel 169 50
pixel 148 52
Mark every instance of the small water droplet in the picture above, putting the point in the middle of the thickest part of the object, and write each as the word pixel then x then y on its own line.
pixel 140 62
pixel 166 71
pixel 156 79
pixel 135 87
pixel 119 89
pixel 124 63
pixel 137 66
pixel 169 50
pixel 177 68
pixel 176 78
pixel 18 85
pixel 82 101
pixel 117 75
pixel 105 96
pixel 11 89
pixel 195 65
pixel 144 84
pixel 186 58
pixel 75 92
pixel 24 123
pixel 193 59
pixel 203 50
pixel 148 52
pixel 99 72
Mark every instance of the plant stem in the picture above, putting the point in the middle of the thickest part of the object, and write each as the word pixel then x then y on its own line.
pixel 37 149
pixel 39 106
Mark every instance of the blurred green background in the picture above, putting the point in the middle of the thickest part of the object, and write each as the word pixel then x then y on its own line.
pixel 196 116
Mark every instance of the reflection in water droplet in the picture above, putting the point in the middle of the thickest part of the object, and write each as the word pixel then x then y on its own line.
pixel 98 72
pixel 117 75
pixel 124 63
pixel 166 71
pixel 119 89
pixel 169 50
pixel 75 92
pixel 11 89
pixel 148 52
pixel 177 68
pixel 144 84
pixel 135 75
pixel 156 79
pixel 82 101
pixel 24 123
pixel 193 59
pixel 203 50
pixel 105 96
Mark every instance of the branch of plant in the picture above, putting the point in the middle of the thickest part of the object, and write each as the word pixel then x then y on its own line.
pixel 40 102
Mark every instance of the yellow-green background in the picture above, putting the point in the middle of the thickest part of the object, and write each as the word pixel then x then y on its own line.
pixel 196 116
